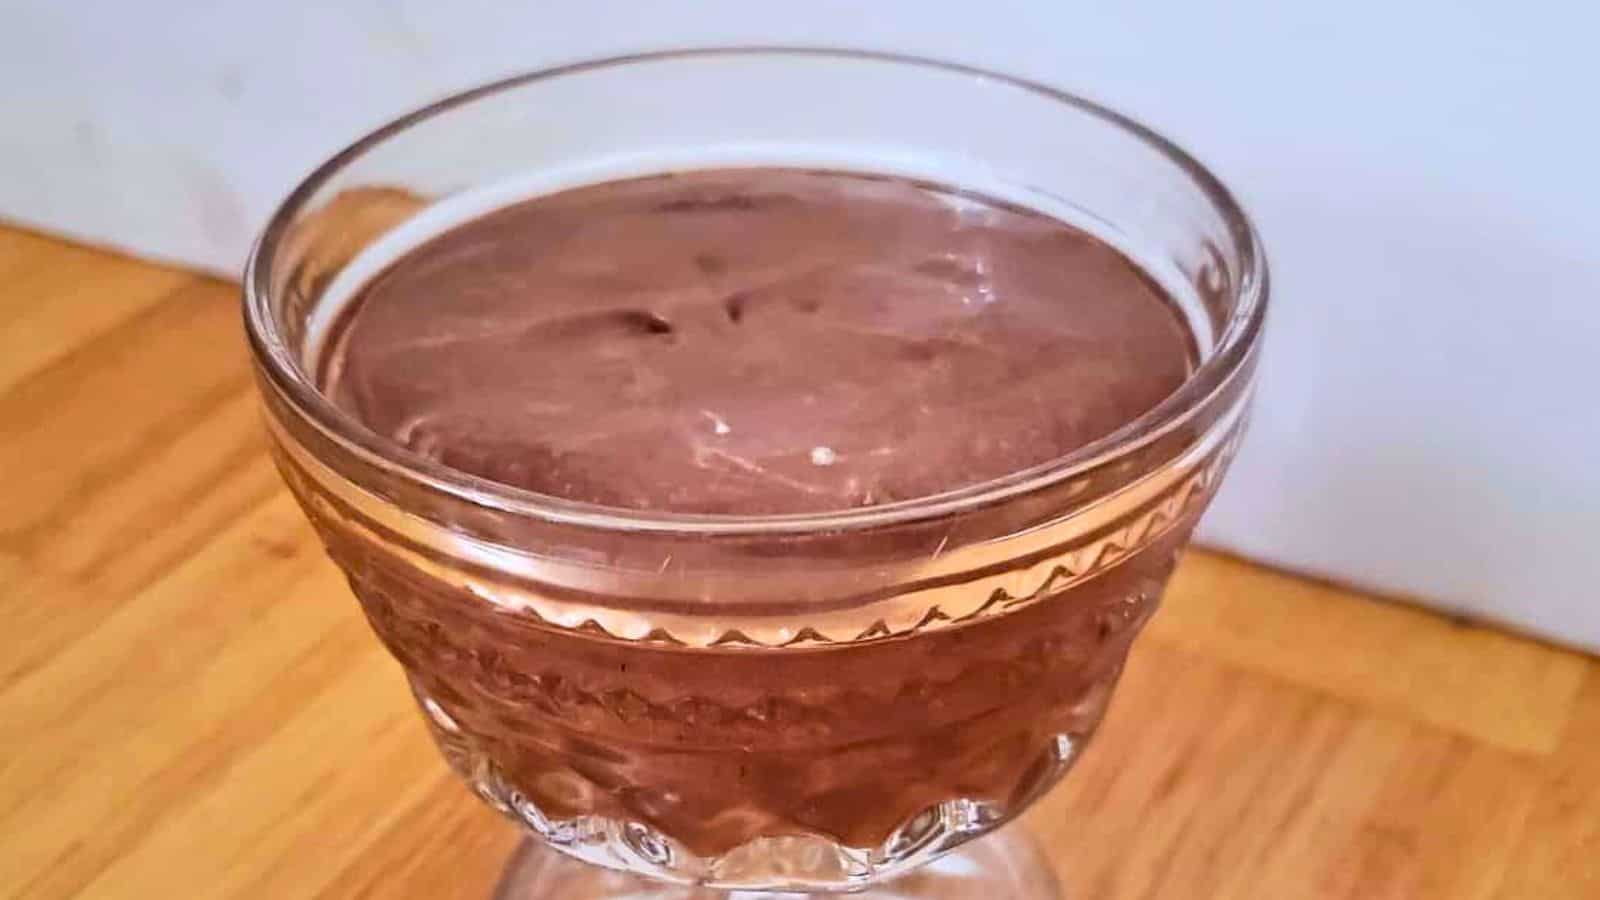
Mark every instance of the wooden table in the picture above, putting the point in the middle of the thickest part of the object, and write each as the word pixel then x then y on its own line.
pixel 191 705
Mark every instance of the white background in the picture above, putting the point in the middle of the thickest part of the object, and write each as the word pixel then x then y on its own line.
pixel 1424 172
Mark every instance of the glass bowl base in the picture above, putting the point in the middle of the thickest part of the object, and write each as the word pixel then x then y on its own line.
pixel 1007 863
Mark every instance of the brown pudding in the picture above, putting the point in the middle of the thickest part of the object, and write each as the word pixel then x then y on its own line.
pixel 755 342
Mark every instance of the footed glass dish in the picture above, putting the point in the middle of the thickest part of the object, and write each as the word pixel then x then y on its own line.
pixel 674 704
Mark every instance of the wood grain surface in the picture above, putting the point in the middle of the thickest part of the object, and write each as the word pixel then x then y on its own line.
pixel 192 707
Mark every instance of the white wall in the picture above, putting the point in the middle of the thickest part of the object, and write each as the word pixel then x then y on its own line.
pixel 1425 175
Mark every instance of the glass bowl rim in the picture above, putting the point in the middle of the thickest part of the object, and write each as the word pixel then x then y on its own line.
pixel 1234 348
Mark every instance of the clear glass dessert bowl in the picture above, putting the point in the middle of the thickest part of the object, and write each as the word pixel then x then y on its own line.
pixel 811 703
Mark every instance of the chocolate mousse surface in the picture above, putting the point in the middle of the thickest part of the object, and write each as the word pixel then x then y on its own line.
pixel 754 341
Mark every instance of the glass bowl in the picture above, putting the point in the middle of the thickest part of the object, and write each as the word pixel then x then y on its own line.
pixel 814 702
